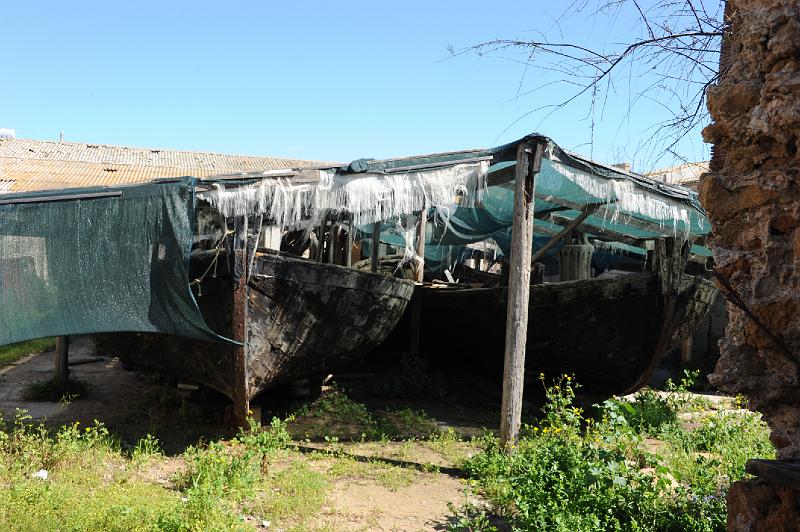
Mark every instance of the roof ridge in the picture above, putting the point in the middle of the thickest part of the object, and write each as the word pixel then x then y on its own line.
pixel 144 149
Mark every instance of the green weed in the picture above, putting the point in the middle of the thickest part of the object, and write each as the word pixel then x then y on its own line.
pixel 573 472
pixel 56 391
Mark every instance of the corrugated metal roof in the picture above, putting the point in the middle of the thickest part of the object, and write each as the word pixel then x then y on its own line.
pixel 28 165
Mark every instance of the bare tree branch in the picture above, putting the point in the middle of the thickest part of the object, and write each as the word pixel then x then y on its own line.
pixel 677 46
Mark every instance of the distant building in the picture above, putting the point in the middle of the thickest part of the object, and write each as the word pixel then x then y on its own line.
pixel 6 133
pixel 29 165
pixel 687 174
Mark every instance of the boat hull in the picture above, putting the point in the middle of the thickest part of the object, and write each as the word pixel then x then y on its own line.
pixel 604 331
pixel 304 318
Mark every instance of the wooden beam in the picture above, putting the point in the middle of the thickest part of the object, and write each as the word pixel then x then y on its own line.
pixel 585 213
pixel 61 366
pixel 529 160
pixel 241 396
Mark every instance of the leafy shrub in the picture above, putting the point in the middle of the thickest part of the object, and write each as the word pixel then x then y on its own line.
pixel 648 412
pixel 265 440
pixel 572 472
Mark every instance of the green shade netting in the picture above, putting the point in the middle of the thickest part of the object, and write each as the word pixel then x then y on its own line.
pixel 561 192
pixel 77 265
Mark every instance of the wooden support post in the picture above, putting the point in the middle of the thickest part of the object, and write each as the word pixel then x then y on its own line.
pixel 419 275
pixel 333 243
pixel 241 399
pixel 687 346
pixel 419 263
pixel 252 243
pixel 529 160
pixel 669 261
pixel 350 232
pixel 376 246
pixel 61 367
pixel 321 239
pixel 537 273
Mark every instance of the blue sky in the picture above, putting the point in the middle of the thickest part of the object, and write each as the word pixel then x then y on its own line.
pixel 313 80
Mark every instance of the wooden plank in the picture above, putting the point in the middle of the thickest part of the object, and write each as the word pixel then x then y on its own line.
pixel 783 472
pixel 241 396
pixel 529 160
pixel 61 366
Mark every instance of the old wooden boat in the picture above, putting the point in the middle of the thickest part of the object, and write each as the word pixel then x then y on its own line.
pixel 304 318
pixel 608 332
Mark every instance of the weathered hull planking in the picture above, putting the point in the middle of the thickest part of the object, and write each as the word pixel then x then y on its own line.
pixel 305 318
pixel 604 331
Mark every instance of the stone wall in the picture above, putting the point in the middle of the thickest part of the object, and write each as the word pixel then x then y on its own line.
pixel 752 194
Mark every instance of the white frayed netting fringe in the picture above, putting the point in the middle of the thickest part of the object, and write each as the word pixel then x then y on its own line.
pixel 368 197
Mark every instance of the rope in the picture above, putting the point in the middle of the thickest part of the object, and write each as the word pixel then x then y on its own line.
pixel 217 250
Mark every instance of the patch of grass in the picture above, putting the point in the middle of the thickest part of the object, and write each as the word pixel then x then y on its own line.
pixel 408 423
pixel 79 479
pixel 334 415
pixel 389 476
pixel 573 472
pixel 75 479
pixel 56 391
pixel 290 497
pixel 449 444
pixel 13 352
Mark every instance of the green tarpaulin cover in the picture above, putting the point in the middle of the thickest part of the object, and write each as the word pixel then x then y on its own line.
pixel 71 263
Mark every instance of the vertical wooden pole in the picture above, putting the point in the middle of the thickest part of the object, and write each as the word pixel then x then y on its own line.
pixel 419 273
pixel 350 232
pixel 252 243
pixel 241 399
pixel 419 263
pixel 61 369
pixel 376 246
pixel 529 159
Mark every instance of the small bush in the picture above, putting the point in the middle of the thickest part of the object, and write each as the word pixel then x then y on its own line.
pixel 265 440
pixel 56 391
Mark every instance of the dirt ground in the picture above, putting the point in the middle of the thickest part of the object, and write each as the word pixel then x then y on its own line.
pixel 133 404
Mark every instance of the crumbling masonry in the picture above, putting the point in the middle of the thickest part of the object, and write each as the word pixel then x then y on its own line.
pixel 752 195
